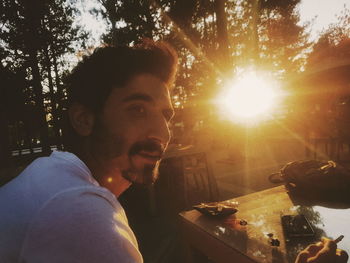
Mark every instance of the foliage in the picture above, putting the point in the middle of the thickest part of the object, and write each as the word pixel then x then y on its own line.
pixel 214 39
pixel 127 26
pixel 35 37
pixel 333 43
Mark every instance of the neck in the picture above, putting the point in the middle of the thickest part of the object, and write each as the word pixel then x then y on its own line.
pixel 110 178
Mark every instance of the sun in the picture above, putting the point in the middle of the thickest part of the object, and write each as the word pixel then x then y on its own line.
pixel 250 97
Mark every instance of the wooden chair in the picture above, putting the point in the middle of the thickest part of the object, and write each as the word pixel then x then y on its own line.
pixel 199 182
pixel 187 179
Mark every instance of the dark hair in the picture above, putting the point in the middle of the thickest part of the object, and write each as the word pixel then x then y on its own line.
pixel 92 80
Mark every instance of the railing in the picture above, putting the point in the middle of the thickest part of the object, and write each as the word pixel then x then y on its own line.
pixel 33 150
pixel 21 157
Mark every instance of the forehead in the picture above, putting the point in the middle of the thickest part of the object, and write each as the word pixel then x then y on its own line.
pixel 143 84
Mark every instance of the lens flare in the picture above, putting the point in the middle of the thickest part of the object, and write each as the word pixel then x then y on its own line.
pixel 250 97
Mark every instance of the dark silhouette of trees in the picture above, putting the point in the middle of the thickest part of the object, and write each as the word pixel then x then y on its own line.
pixel 36 37
pixel 12 107
pixel 22 35
pixel 128 20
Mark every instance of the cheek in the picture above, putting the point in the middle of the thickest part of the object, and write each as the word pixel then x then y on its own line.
pixel 130 131
pixel 118 133
pixel 107 143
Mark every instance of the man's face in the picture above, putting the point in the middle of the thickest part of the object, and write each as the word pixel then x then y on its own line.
pixel 131 134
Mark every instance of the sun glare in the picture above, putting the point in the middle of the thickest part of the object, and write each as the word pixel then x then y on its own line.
pixel 250 97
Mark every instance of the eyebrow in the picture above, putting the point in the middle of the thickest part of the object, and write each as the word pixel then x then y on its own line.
pixel 138 96
pixel 168 113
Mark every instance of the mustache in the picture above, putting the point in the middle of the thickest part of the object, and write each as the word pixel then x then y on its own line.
pixel 147 146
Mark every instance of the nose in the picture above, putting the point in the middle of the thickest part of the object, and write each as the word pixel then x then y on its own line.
pixel 159 130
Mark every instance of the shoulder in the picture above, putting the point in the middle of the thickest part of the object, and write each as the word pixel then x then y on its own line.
pixel 85 224
pixel 58 164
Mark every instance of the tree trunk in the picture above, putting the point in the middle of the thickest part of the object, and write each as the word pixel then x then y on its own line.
pixel 39 101
pixel 254 31
pixel 33 41
pixel 5 151
pixel 52 95
pixel 59 101
pixel 221 24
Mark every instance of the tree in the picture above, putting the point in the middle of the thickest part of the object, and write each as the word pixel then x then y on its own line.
pixel 214 39
pixel 322 96
pixel 129 20
pixel 283 43
pixel 59 36
pixel 36 37
pixel 333 43
pixel 11 105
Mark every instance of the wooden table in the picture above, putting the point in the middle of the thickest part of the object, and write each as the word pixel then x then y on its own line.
pixel 223 240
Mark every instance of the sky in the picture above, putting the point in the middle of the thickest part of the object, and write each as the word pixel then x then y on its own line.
pixel 95 25
pixel 322 11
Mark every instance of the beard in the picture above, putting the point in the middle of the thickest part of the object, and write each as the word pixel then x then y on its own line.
pixel 145 177
pixel 148 174
pixel 107 147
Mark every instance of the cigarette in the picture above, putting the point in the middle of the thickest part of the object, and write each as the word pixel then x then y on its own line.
pixel 338 239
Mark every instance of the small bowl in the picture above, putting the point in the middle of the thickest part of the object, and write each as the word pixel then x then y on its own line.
pixel 216 209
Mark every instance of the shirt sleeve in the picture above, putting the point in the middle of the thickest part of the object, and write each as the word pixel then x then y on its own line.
pixel 80 226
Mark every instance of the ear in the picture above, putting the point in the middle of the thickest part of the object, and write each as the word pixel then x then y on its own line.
pixel 81 118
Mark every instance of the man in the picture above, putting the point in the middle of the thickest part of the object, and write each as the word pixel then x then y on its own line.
pixel 59 208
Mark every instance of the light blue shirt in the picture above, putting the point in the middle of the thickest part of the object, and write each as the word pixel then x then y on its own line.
pixel 55 211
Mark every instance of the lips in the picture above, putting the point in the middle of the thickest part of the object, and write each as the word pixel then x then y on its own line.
pixel 148 148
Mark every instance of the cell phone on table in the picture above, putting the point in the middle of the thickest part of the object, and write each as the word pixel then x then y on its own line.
pixel 296 226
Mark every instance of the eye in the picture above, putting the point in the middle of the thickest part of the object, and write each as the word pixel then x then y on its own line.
pixel 137 110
